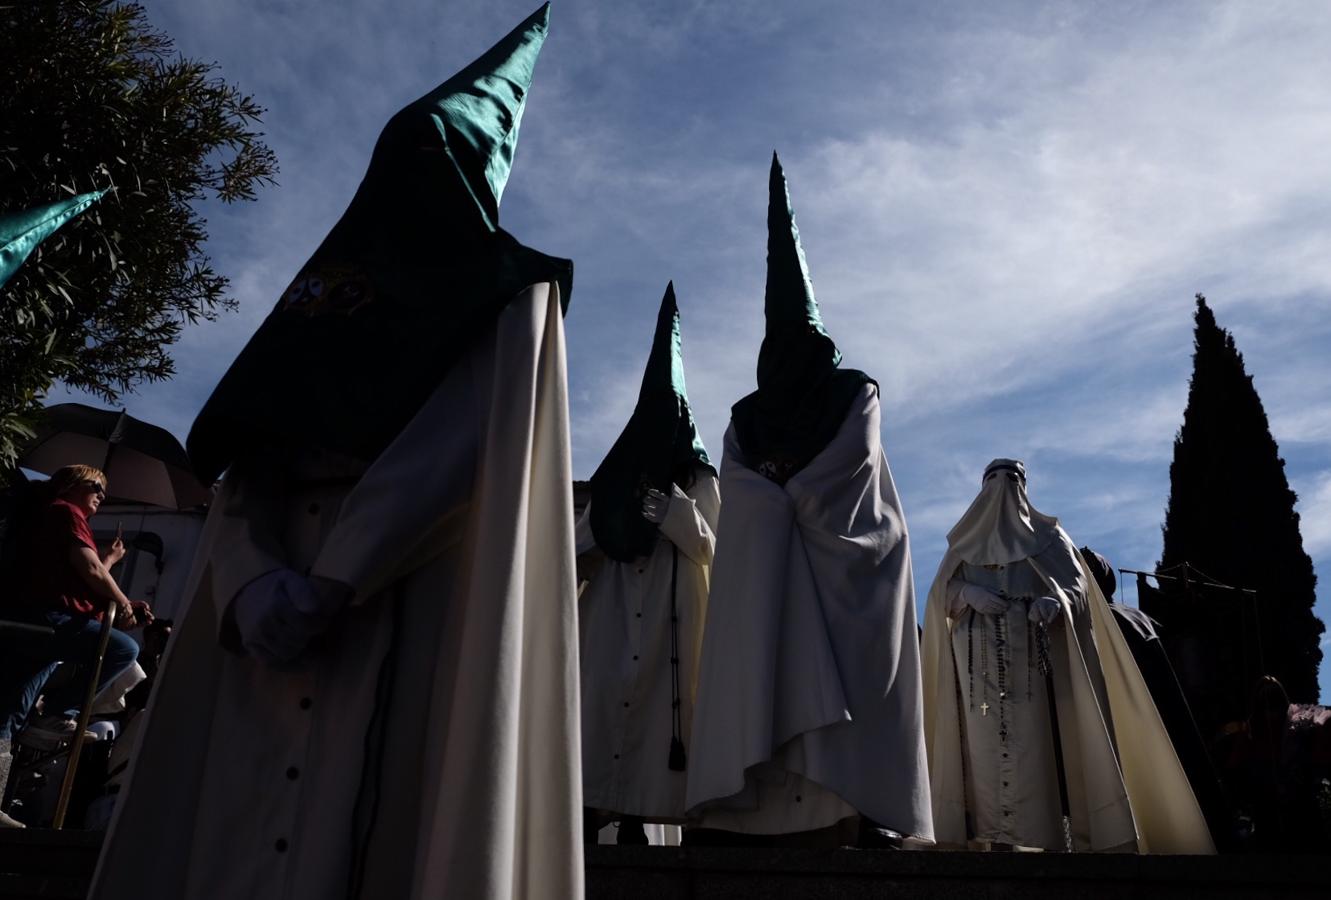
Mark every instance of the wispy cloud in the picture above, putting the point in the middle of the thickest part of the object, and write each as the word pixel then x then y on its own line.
pixel 1315 514
pixel 1006 211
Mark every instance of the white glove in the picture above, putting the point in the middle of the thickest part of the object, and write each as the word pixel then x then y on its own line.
pixel 1044 609
pixel 278 613
pixel 654 506
pixel 982 600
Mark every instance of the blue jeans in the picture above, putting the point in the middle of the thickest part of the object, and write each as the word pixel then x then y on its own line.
pixel 75 642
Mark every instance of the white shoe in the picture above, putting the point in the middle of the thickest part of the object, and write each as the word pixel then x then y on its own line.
pixel 8 821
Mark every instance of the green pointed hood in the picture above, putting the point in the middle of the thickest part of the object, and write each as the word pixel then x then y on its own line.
pixel 21 232
pixel 802 396
pixel 414 271
pixel 659 445
pixel 664 373
pixel 790 307
pixel 478 112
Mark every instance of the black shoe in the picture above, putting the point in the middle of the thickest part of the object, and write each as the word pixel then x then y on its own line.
pixel 631 832
pixel 875 837
pixel 719 837
pixel 591 825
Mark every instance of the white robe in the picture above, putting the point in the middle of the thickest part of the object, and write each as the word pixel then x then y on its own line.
pixel 1135 795
pixel 627 679
pixel 809 706
pixel 457 663
pixel 1011 776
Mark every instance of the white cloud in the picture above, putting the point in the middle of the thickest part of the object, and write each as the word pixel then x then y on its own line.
pixel 1006 213
pixel 1315 513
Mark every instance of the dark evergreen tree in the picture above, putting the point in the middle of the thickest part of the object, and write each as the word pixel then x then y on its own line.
pixel 1231 518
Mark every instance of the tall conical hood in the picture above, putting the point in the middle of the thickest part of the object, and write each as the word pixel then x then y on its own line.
pixel 665 364
pixel 406 280
pixel 663 377
pixel 659 444
pixel 802 397
pixel 21 232
pixel 789 304
pixel 479 109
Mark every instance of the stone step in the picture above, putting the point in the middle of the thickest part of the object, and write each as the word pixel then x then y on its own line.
pixel 703 873
pixel 38 863
pixel 41 863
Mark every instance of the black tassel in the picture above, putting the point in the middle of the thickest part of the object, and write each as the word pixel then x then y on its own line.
pixel 678 761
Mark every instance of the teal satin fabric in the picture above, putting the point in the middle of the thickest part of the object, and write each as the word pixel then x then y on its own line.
pixel 21 232
pixel 802 396
pixel 659 445
pixel 412 273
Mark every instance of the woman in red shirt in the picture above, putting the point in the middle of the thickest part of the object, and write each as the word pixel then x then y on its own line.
pixel 69 587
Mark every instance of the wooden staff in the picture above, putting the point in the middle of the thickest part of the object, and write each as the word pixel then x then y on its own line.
pixel 1046 665
pixel 85 713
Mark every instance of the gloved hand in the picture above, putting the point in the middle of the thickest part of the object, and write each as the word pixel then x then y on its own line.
pixel 982 600
pixel 654 506
pixel 279 613
pixel 1044 609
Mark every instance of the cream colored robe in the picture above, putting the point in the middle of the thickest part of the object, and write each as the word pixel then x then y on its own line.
pixel 456 666
pixel 1011 774
pixel 627 680
pixel 809 706
pixel 1135 796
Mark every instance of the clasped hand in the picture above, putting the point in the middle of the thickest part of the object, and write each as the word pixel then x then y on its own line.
pixel 982 600
pixel 132 614
pixel 1044 610
pixel 989 603
pixel 280 612
pixel 655 505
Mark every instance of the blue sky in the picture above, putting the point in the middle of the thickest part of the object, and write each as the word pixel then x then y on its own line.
pixel 1007 208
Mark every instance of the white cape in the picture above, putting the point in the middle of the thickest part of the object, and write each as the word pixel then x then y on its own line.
pixel 810 671
pixel 1139 793
pixel 456 665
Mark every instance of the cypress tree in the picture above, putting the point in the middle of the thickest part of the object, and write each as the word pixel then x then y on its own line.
pixel 1231 515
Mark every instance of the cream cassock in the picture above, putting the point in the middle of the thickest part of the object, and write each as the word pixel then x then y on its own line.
pixel 627 680
pixel 459 653
pixel 992 766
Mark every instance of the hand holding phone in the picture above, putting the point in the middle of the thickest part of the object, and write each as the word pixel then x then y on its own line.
pixel 117 550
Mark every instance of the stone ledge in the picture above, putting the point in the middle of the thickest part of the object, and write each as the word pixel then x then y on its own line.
pixel 684 873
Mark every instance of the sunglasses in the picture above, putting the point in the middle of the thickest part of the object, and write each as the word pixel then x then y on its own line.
pixel 95 487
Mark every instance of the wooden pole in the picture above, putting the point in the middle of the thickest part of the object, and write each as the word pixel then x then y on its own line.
pixel 85 713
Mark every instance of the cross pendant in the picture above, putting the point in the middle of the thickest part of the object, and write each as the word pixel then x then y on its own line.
pixel 984 709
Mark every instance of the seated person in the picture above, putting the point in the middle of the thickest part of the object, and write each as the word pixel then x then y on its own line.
pixel 68 587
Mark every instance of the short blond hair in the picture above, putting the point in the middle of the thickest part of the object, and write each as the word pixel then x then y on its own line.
pixel 67 477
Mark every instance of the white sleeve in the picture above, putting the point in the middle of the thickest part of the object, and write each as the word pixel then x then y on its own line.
pixel 955 605
pixel 423 480
pixel 246 538
pixel 691 518
pixel 583 539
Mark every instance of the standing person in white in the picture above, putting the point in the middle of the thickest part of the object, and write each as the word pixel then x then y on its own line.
pixel 652 514
pixel 809 708
pixel 1000 778
pixel 373 692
